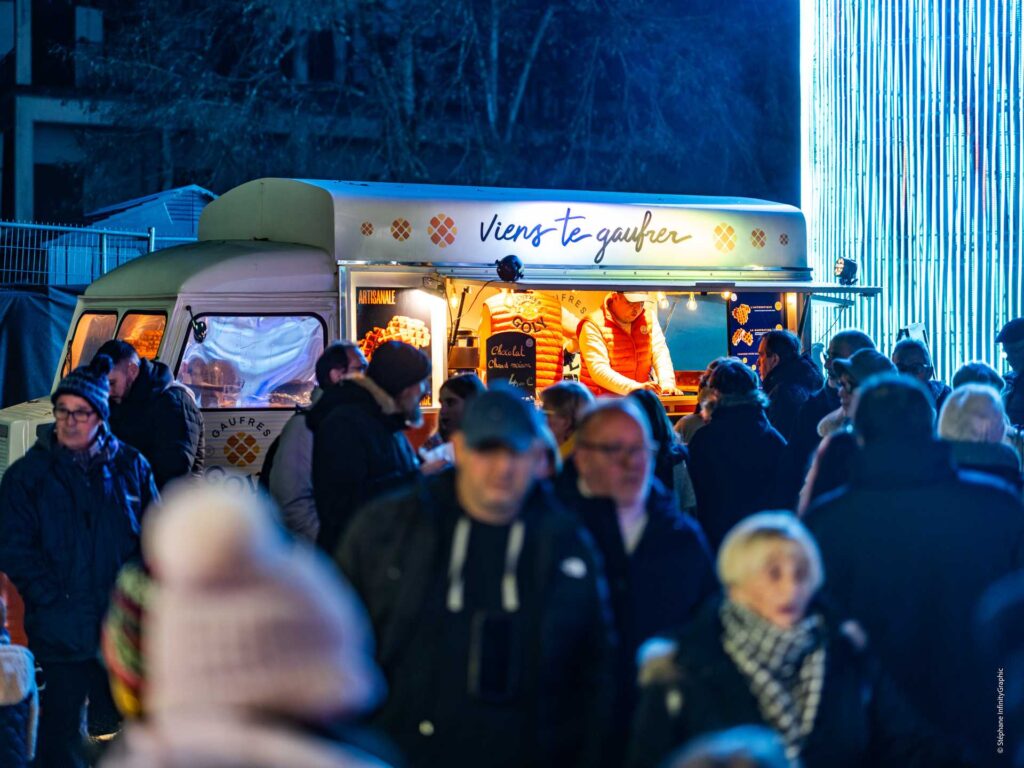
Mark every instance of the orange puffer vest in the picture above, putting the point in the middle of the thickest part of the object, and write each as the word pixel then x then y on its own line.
pixel 538 315
pixel 630 353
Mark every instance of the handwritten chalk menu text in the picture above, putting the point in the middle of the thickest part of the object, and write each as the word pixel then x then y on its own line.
pixel 751 316
pixel 512 358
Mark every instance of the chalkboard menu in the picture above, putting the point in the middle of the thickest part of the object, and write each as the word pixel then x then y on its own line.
pixel 512 358
pixel 751 316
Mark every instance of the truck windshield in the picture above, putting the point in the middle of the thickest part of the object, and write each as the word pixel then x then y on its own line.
pixel 253 361
pixel 92 330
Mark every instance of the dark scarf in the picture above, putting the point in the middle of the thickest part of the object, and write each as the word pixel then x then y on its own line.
pixel 784 667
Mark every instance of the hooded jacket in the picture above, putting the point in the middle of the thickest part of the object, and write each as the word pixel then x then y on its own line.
pixel 909 547
pixel 65 532
pixel 690 686
pixel 397 554
pixel 359 452
pixel 160 418
pixel 734 464
pixel 789 385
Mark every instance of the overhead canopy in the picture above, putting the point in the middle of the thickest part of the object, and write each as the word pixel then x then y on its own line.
pixel 443 225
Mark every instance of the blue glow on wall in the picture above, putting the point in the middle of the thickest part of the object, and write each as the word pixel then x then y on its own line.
pixel 912 124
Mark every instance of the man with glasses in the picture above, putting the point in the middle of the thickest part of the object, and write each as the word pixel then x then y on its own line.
pixel 70 513
pixel 288 468
pixel 912 358
pixel 488 606
pixel 656 559
pixel 1012 338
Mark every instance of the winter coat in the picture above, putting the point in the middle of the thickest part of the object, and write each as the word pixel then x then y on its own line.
pixel 789 385
pixel 939 392
pixel 397 553
pixel 832 466
pixel 229 740
pixel 656 588
pixel 159 418
pixel 19 704
pixel 691 686
pixel 996 459
pixel 65 533
pixel 805 439
pixel 909 546
pixel 734 464
pixel 291 478
pixel 359 452
pixel 1013 398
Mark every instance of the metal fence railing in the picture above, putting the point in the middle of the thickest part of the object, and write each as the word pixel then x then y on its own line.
pixel 45 254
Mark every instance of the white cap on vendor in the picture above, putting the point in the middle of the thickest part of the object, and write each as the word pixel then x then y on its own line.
pixel 633 297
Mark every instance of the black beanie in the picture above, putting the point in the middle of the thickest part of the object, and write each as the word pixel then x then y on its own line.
pixel 90 383
pixel 396 365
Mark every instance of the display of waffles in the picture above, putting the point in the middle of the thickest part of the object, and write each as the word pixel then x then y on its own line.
pixel 399 328
pixel 742 336
pixel 742 313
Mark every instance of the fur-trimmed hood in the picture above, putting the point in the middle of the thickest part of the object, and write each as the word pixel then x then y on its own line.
pixel 356 390
pixel 716 401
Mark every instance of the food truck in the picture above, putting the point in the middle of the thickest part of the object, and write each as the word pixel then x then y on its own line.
pixel 482 279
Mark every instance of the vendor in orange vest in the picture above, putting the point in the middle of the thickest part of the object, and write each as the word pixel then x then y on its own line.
pixel 621 345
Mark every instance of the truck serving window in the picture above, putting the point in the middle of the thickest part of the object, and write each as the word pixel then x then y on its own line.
pixel 143 330
pixel 92 330
pixel 252 361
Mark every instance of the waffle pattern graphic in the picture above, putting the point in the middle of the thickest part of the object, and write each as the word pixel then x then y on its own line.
pixel 442 230
pixel 241 449
pixel 742 313
pixel 725 237
pixel 366 228
pixel 399 328
pixel 758 238
pixel 401 229
pixel 741 336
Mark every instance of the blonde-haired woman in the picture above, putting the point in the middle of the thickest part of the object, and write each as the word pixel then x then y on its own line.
pixel 769 654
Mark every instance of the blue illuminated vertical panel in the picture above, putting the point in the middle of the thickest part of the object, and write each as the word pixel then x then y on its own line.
pixel 913 121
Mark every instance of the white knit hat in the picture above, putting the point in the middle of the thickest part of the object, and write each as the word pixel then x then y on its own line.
pixel 243 617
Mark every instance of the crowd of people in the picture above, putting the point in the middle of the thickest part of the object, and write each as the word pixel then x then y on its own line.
pixel 819 567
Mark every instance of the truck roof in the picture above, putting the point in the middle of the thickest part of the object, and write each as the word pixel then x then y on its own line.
pixel 451 225
pixel 221 267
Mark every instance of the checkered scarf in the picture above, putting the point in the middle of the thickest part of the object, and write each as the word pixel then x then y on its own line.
pixel 785 669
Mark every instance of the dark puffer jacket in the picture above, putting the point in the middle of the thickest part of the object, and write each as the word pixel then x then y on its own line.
pixel 690 687
pixel 789 385
pixel 65 532
pixel 804 442
pixel 734 464
pixel 160 419
pixel 359 452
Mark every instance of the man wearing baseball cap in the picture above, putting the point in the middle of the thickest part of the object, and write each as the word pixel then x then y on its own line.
pixel 1012 339
pixel 622 348
pixel 70 513
pixel 487 604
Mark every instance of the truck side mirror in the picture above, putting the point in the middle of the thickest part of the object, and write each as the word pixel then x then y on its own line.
pixel 198 326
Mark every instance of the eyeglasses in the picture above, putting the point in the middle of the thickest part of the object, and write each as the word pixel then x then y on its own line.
pixel 60 413
pixel 913 369
pixel 618 451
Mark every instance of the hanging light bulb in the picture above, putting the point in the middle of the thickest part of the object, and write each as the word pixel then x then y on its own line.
pixel 453 300
pixel 726 295
pixel 691 303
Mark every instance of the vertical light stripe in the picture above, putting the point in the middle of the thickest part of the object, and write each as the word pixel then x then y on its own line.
pixel 913 125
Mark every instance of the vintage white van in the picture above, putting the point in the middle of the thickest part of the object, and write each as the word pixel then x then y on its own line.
pixel 284 266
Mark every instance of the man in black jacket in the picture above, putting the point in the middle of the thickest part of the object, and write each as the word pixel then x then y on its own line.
pixel 70 513
pixel 787 377
pixel 656 559
pixel 359 448
pixel 154 414
pixel 488 607
pixel 912 358
pixel 910 546
pixel 805 438
pixel 1011 336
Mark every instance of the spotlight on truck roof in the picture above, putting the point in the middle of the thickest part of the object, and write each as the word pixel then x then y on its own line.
pixel 510 269
pixel 846 270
